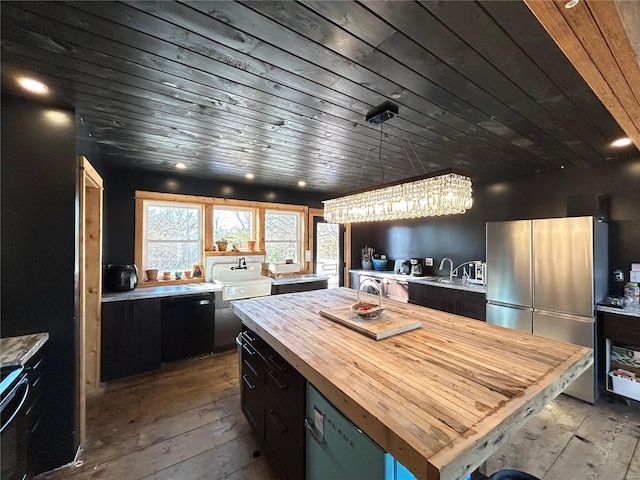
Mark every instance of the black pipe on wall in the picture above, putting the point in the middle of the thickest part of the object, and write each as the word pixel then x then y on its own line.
pixel 39 254
pixel 462 237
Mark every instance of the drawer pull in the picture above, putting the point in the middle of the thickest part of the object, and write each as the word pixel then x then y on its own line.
pixel 247 336
pixel 272 361
pixel 250 350
pixel 276 420
pixel 281 386
pixel 246 380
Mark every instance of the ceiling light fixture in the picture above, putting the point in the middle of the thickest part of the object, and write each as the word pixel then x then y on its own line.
pixel 444 192
pixel 571 3
pixel 302 183
pixel 250 176
pixel 181 166
pixel 32 85
pixel 621 142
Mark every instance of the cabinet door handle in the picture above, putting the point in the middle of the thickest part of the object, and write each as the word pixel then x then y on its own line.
pixel 272 361
pixel 282 386
pixel 247 336
pixel 276 420
pixel 248 349
pixel 246 380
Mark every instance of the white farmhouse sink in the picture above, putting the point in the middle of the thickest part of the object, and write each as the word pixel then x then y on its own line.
pixel 240 283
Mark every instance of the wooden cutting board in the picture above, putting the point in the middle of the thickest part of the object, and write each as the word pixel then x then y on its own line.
pixel 390 322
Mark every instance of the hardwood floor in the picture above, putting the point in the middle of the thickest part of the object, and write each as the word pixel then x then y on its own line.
pixel 184 422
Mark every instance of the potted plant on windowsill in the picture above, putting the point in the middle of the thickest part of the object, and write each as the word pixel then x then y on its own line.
pixel 222 244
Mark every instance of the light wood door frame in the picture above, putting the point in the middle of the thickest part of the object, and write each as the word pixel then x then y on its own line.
pixel 319 212
pixel 90 285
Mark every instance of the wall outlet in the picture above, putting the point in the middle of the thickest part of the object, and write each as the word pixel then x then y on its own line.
pixel 428 262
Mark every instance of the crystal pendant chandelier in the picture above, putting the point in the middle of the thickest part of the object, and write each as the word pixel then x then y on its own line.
pixel 445 192
pixel 439 193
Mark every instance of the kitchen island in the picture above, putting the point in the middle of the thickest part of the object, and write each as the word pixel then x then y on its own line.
pixel 440 399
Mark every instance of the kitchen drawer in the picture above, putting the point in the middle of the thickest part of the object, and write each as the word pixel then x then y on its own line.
pixel 251 392
pixel 284 438
pixel 472 305
pixel 286 384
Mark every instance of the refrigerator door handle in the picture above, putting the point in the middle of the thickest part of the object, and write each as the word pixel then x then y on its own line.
pixel 566 316
pixel 317 436
pixel 510 305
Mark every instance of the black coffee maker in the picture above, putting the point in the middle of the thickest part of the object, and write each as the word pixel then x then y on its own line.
pixel 120 278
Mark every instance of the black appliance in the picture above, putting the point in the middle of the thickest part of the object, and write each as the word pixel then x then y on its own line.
pixel 187 326
pixel 14 389
pixel 120 278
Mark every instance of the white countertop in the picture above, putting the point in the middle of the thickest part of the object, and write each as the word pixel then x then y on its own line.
pixel 426 280
pixel 18 350
pixel 630 311
pixel 301 278
pixel 162 291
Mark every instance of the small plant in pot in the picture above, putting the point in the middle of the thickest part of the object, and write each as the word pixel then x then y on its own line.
pixel 222 244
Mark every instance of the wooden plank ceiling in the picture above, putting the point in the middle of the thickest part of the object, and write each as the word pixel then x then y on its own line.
pixel 281 89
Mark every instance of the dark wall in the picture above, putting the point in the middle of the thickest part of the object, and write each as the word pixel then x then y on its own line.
pixel 39 263
pixel 462 237
pixel 120 187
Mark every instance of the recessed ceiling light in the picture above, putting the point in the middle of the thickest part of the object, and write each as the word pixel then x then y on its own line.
pixel 571 3
pixel 250 176
pixel 181 166
pixel 302 183
pixel 621 142
pixel 396 95
pixel 33 85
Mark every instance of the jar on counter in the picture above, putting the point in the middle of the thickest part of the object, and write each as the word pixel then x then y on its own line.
pixel 631 294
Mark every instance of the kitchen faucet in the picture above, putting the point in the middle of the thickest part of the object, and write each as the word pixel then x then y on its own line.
pixel 450 271
pixel 242 264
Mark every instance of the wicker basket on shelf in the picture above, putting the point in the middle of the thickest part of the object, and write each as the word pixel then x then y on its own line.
pixel 368 310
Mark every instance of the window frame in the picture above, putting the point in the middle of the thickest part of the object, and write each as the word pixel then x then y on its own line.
pixel 209 204
pixel 147 203
pixel 302 238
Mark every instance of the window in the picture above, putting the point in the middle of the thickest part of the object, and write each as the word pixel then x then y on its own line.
pixel 172 236
pixel 236 225
pixel 174 232
pixel 283 236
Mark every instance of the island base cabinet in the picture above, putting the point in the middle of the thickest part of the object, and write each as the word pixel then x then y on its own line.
pixel 283 434
pixel 273 399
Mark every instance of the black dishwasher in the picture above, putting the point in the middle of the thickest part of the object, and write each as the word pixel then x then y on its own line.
pixel 187 326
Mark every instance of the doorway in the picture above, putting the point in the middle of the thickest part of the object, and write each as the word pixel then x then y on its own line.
pixel 328 251
pixel 89 285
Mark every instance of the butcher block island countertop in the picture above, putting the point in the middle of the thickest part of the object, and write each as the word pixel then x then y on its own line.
pixel 442 398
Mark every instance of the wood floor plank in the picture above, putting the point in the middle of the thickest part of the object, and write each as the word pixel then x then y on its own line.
pixel 129 437
pixel 215 463
pixel 147 427
pixel 261 469
pixel 601 447
pixel 571 439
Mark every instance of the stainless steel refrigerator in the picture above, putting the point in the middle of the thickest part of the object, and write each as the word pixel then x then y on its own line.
pixel 545 277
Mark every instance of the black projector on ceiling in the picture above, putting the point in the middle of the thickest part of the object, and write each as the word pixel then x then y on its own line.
pixel 382 113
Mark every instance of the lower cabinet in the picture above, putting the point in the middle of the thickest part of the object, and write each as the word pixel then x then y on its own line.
pixel 35 412
pixel 273 398
pixel 472 305
pixel 130 338
pixel 450 300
